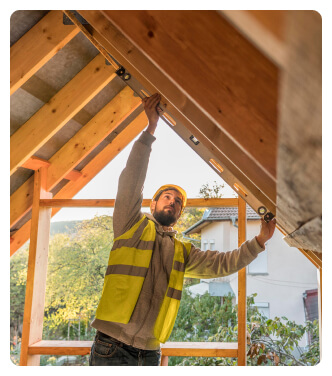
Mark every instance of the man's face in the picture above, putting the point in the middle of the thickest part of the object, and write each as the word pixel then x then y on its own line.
pixel 167 209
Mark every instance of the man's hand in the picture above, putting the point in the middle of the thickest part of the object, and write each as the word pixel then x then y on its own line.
pixel 266 232
pixel 150 107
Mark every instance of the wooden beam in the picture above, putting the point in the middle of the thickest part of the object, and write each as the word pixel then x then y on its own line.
pixel 27 55
pixel 76 149
pixel 207 349
pixel 183 109
pixel 35 163
pixel 73 175
pixel 32 135
pixel 264 28
pixel 21 201
pixel 191 202
pixel 20 237
pixel 245 108
pixel 242 289
pixel 103 158
pixel 60 348
pixel 37 271
pixel 92 134
pixel 88 173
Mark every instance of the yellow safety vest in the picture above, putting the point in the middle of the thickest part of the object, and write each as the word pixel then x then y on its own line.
pixel 128 265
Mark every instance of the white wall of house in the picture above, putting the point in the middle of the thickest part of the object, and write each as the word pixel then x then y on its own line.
pixel 280 275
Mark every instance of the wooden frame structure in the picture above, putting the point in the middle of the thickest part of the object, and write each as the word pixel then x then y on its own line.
pixel 277 54
pixel 32 343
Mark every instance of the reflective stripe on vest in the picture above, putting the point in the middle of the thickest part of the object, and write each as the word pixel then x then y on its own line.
pixel 171 303
pixel 127 268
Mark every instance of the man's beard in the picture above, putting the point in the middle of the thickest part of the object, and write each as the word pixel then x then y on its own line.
pixel 164 218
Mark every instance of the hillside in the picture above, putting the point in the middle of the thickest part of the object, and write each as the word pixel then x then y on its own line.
pixel 62 227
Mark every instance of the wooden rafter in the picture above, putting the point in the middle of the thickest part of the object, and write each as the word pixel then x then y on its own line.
pixel 109 203
pixel 240 85
pixel 88 173
pixel 35 163
pixel 264 28
pixel 77 148
pixel 244 169
pixel 59 110
pixel 27 56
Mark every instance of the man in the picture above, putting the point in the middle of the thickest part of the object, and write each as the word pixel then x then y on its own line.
pixel 144 277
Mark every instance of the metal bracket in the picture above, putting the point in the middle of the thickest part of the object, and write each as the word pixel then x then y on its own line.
pixel 120 72
pixel 67 21
pixel 268 216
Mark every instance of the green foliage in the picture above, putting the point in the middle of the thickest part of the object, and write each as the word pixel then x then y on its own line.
pixel 18 276
pixel 200 316
pixel 270 342
pixel 76 269
pixel 63 227
pixel 211 192
pixel 189 217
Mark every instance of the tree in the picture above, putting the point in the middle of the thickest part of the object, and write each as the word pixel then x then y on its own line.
pixel 76 269
pixel 18 275
pixel 189 217
pixel 211 192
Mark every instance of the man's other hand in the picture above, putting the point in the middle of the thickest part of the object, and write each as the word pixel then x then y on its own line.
pixel 266 232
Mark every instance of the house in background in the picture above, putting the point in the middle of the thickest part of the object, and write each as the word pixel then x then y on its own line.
pixel 284 280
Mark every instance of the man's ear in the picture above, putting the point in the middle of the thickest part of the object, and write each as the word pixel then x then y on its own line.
pixel 153 206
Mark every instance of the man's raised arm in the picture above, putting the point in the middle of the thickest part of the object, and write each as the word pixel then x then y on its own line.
pixel 127 209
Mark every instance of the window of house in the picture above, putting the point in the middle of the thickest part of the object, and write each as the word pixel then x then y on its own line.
pixel 212 245
pixel 263 308
pixel 259 265
pixel 205 245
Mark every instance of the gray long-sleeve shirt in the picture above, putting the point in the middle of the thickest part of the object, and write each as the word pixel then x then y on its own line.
pixel 199 264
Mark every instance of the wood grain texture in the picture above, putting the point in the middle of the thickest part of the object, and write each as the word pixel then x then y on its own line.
pixel 61 348
pixel 226 76
pixel 191 202
pixel 32 135
pixel 37 270
pixel 76 149
pixel 34 163
pixel 88 173
pixel 27 56
pixel 242 168
pixel 264 29
pixel 208 349
pixel 90 136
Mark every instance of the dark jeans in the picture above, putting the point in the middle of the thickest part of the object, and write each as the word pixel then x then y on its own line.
pixel 107 351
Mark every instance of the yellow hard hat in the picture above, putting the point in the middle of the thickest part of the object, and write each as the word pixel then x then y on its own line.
pixel 172 186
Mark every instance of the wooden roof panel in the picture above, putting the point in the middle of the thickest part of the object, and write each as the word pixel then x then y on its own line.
pixel 220 84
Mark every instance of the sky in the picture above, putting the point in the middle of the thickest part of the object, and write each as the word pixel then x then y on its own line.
pixel 172 161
